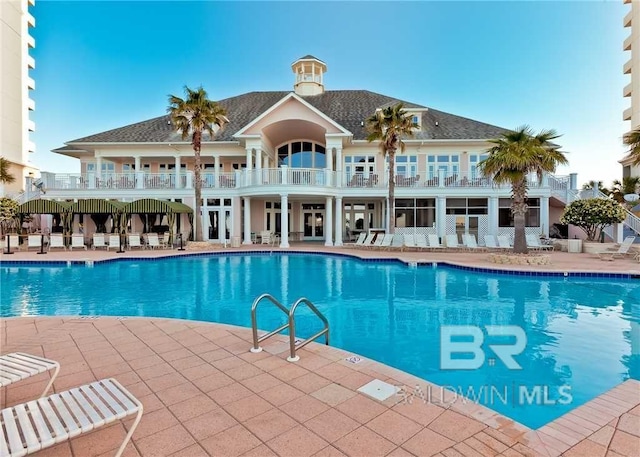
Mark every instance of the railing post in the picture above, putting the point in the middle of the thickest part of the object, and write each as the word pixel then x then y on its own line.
pixel 440 178
pixel 285 174
pixel 189 183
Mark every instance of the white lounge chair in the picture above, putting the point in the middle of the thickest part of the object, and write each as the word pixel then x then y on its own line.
pixel 398 241
pixel 13 241
pixel 134 241
pixel 387 239
pixel 34 241
pixel 409 242
pixel 470 242
pixel 18 366
pixel 503 242
pixel 367 241
pixel 378 242
pixel 56 240
pixel 153 241
pixel 533 242
pixel 77 241
pixel 98 241
pixel 114 242
pixel 452 241
pixel 622 251
pixel 421 241
pixel 434 241
pixel 35 425
pixel 491 243
pixel 359 241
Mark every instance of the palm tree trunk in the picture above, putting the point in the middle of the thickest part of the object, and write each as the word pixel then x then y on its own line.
pixel 197 174
pixel 519 209
pixel 392 190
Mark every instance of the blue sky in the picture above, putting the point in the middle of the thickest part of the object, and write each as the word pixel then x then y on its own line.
pixel 101 65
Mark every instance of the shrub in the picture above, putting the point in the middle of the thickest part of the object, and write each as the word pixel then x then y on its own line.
pixel 8 215
pixel 593 214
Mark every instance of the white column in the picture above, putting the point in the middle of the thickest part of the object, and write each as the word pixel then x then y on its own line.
pixel 99 167
pixel 259 158
pixel 265 161
pixel 249 158
pixel 492 211
pixel 329 159
pixel 339 167
pixel 177 172
pixel 618 233
pixel 284 220
pixel 216 171
pixel 328 222
pixel 441 216
pixel 544 215
pixel 338 221
pixel 138 172
pixel 247 220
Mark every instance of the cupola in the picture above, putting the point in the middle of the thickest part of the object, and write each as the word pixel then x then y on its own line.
pixel 309 73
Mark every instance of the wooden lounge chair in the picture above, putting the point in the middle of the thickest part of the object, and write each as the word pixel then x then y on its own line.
pixel 17 366
pixel 77 241
pixel 622 251
pixel 35 425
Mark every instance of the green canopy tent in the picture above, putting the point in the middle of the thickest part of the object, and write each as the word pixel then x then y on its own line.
pixel 102 208
pixel 171 209
pixel 42 206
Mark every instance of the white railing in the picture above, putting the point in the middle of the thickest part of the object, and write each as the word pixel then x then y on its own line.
pixel 285 176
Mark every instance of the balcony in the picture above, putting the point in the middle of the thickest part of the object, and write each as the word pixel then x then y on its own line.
pixel 31 126
pixel 626 114
pixel 31 62
pixel 31 83
pixel 31 41
pixel 626 91
pixel 626 69
pixel 31 104
pixel 115 181
pixel 626 45
pixel 626 22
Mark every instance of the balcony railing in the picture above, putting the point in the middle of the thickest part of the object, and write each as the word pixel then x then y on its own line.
pixel 284 176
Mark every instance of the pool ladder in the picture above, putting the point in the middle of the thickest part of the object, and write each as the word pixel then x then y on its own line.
pixel 291 325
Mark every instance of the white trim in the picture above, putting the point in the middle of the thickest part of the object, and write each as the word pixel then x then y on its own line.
pixel 290 95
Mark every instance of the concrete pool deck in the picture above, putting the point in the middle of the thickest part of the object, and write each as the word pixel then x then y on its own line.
pixel 204 393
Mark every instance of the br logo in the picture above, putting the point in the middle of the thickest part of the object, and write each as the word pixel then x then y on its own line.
pixel 468 340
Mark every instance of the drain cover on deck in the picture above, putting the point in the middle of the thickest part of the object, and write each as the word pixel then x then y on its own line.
pixel 379 390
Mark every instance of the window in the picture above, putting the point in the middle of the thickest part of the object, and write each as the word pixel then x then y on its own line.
pixel 302 154
pixel 238 166
pixel 360 165
pixel 406 166
pixel 415 212
pixel 470 206
pixel 273 216
pixel 107 167
pixel 131 167
pixel 474 160
pixel 358 217
pixel 416 120
pixel 450 164
pixel 531 217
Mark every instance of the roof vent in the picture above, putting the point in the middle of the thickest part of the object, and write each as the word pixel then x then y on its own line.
pixel 436 123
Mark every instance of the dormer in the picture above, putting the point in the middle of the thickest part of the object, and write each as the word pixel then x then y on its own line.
pixel 309 73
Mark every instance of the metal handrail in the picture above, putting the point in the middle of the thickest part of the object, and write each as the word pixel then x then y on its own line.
pixel 292 328
pixel 254 322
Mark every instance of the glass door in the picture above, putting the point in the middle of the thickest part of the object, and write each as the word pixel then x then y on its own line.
pixel 313 228
pixel 219 222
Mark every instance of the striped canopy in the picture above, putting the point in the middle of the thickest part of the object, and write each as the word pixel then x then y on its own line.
pixel 97 206
pixel 41 206
pixel 152 206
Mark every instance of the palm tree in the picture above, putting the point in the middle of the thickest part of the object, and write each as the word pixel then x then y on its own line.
pixel 515 155
pixel 388 126
pixel 632 139
pixel 5 176
pixel 628 185
pixel 193 116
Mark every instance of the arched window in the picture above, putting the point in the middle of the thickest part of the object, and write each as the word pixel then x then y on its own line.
pixel 302 154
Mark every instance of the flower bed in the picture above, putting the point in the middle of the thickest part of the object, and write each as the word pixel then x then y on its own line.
pixel 513 259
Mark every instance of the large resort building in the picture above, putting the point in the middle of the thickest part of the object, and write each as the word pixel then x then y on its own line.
pixel 15 87
pixel 632 90
pixel 298 164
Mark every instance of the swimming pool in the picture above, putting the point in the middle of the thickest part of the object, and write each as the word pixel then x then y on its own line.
pixel 583 333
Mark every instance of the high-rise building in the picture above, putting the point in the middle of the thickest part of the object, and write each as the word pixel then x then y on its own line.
pixel 632 68
pixel 15 86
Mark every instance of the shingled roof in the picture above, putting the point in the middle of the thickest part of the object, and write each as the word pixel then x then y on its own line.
pixel 349 108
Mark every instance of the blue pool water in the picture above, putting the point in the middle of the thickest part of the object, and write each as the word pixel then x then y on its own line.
pixel 583 334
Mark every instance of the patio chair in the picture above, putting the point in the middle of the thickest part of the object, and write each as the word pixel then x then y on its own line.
pixel 14 242
pixel 134 241
pixel 471 243
pixel 434 241
pixel 153 241
pixel 387 239
pixel 35 425
pixel 368 240
pixel 18 366
pixel 622 251
pixel 397 242
pixel 533 242
pixel 265 237
pixel 503 242
pixel 491 243
pixel 77 241
pixel 56 240
pixel 452 241
pixel 421 241
pixel 99 241
pixel 409 242
pixel 377 242
pixel 114 242
pixel 359 241
pixel 34 241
